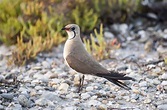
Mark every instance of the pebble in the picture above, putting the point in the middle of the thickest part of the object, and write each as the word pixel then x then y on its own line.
pixel 70 108
pixel 24 101
pixel 94 103
pixel 44 102
pixel 14 107
pixel 102 107
pixel 2 78
pixel 143 84
pixel 164 76
pixel 45 64
pixel 144 35
pixel 8 96
pixel 76 79
pixel 1 107
pixel 89 88
pixel 147 101
pixel 164 83
pixel 108 35
pixel 63 87
pixel 85 95
pixel 162 107
pixel 52 96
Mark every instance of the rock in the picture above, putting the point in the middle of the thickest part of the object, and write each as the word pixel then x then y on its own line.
pixel 2 107
pixel 37 68
pixel 33 93
pixel 143 36
pixel 162 107
pixel 85 95
pixel 164 76
pixel 123 28
pixel 70 108
pixel 102 107
pixel 89 88
pixel 156 81
pixel 46 65
pixel 94 103
pixel 108 35
pixel 8 96
pixel 143 84
pixel 2 78
pixel 147 101
pixel 135 96
pixel 164 83
pixel 76 79
pixel 72 95
pixel 14 107
pixel 63 87
pixel 52 96
pixel 24 101
pixel 44 102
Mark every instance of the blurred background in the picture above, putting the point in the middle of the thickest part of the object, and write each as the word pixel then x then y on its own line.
pixel 34 26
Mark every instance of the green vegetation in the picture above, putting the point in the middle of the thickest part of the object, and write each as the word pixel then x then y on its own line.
pixel 34 25
pixel 98 50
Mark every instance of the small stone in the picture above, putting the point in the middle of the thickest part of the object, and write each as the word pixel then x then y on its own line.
pixel 24 101
pixel 164 76
pixel 94 103
pixel 135 96
pixel 162 107
pixel 63 87
pixel 70 108
pixel 143 36
pixel 14 107
pixel 102 107
pixel 156 71
pixel 94 97
pixel 2 78
pixel 127 98
pixel 52 96
pixel 156 81
pixel 2 107
pixel 8 96
pixel 72 95
pixel 147 101
pixel 45 64
pixel 143 84
pixel 76 79
pixel 44 102
pixel 37 68
pixel 89 88
pixel 164 83
pixel 33 92
pixel 108 35
pixel 38 88
pixel 85 95
pixel 133 100
pixel 136 91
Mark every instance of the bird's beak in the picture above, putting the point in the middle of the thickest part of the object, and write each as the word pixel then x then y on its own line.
pixel 63 28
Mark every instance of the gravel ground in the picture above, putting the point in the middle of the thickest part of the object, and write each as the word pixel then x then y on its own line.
pixel 48 84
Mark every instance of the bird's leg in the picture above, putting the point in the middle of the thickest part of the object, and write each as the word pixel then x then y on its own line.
pixel 81 81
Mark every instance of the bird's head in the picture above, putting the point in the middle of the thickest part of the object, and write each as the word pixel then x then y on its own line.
pixel 73 30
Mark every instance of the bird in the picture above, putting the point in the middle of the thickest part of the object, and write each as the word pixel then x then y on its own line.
pixel 77 57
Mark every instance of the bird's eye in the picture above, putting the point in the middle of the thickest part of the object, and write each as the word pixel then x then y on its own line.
pixel 73 28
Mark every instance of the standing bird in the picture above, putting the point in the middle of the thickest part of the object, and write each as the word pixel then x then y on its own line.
pixel 80 60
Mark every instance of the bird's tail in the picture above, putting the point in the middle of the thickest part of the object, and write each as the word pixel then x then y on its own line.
pixel 114 77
